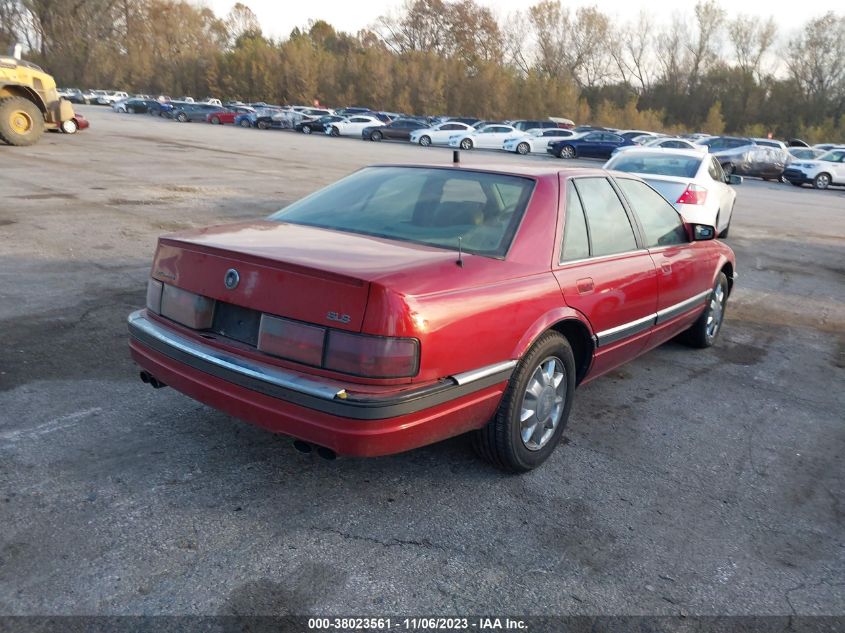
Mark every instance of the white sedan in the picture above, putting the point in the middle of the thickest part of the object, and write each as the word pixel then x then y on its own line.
pixel 439 134
pixel 535 140
pixel 488 137
pixel 353 125
pixel 693 181
pixel 669 142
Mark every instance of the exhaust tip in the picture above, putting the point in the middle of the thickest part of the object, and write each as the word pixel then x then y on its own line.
pixel 302 447
pixel 326 453
pixel 148 379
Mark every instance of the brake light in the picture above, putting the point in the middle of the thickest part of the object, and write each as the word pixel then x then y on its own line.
pixel 371 356
pixel 154 288
pixel 694 194
pixel 189 309
pixel 291 340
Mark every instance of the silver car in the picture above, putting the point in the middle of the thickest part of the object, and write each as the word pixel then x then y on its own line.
pixel 693 181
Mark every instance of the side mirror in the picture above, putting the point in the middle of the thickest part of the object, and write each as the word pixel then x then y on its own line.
pixel 703 232
pixel 733 179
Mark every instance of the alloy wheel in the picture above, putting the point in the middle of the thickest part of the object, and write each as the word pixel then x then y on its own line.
pixel 542 403
pixel 716 311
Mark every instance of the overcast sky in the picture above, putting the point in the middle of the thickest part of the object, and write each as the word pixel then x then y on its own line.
pixel 279 17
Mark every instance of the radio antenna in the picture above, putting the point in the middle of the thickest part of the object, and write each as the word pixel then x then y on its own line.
pixel 460 261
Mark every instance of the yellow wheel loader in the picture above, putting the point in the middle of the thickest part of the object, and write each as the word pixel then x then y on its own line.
pixel 28 102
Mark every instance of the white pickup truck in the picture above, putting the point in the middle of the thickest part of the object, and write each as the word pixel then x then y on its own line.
pixel 110 96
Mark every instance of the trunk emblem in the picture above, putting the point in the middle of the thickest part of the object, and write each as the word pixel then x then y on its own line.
pixel 340 318
pixel 232 279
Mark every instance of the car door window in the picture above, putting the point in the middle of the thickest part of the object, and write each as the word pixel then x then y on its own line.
pixel 661 223
pixel 576 242
pixel 610 229
pixel 715 170
pixel 592 137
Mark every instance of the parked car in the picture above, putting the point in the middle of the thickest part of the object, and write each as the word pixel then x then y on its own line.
pixel 536 140
pixel 352 110
pixel 390 337
pixel 353 125
pixel 488 137
pixel 246 119
pixel 770 142
pixel 721 143
pixel 110 96
pixel 75 95
pixel 186 112
pixel 317 126
pixel 828 169
pixel 632 134
pixel 397 130
pixel 803 153
pixel 138 106
pixel 74 124
pixel 594 144
pixel 227 115
pixel 463 119
pixel 439 134
pixel 670 142
pixel 692 180
pixel 533 124
pixel 759 161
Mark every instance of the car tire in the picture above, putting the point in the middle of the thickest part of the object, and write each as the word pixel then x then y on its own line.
pixel 567 151
pixel 182 117
pixel 706 328
pixel 130 110
pixel 514 445
pixel 335 131
pixel 306 129
pixel 425 141
pixel 822 181
pixel 70 126
pixel 376 136
pixel 729 169
pixel 523 148
pixel 262 125
pixel 21 122
pixel 245 123
pixel 466 144
pixel 215 120
pixel 724 234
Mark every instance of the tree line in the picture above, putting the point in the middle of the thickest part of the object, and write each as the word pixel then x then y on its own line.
pixel 705 70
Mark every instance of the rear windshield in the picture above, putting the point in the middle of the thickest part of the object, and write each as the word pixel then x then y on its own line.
pixel 657 164
pixel 422 205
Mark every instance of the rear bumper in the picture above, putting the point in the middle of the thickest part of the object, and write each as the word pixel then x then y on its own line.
pixel 314 409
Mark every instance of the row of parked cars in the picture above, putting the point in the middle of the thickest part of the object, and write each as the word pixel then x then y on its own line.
pixel 794 161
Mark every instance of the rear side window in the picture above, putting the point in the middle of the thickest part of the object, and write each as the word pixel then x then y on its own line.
pixel 610 228
pixel 576 243
pixel 661 223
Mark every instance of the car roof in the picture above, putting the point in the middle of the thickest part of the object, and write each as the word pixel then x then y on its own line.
pixel 677 151
pixel 537 170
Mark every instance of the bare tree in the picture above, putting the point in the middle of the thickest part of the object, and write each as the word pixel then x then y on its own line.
pixel 815 58
pixel 632 55
pixel 709 17
pixel 241 21
pixel 750 40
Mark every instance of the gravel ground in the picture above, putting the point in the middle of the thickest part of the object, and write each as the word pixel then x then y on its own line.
pixel 694 482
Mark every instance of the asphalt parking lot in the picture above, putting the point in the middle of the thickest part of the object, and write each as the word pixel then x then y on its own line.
pixel 692 482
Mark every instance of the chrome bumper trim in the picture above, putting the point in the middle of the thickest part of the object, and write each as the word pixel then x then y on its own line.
pixel 260 371
pixel 322 395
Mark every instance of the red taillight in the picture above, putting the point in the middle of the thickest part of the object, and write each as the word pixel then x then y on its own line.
pixel 372 356
pixel 187 308
pixel 292 340
pixel 694 194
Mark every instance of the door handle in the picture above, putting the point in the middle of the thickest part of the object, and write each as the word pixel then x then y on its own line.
pixel 666 266
pixel 585 285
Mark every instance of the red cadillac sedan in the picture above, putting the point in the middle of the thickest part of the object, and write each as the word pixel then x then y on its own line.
pixel 405 304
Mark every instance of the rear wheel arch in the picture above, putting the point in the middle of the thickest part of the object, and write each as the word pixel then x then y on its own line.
pixel 19 90
pixel 582 343
pixel 728 269
pixel 574 328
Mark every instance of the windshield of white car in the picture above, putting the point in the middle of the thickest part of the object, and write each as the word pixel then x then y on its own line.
pixel 656 164
pixel 423 205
